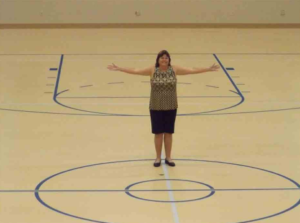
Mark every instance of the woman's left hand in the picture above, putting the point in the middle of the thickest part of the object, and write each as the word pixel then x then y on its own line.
pixel 214 67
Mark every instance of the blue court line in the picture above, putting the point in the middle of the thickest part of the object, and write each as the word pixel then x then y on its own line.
pixel 62 92
pixel 234 92
pixel 213 86
pixel 177 82
pixel 56 89
pixel 193 160
pixel 149 97
pixel 110 114
pixel 232 82
pixel 96 54
pixel 90 115
pixel 169 186
pixel 80 114
pixel 58 77
pixel 53 68
pixel 86 86
pixel 173 190
pixel 229 68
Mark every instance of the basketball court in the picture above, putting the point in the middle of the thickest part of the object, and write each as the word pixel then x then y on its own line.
pixel 76 142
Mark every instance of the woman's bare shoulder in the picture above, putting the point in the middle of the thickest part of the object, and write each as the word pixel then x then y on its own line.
pixel 174 68
pixel 153 70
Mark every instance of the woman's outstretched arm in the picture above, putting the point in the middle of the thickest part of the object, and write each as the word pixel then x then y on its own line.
pixel 186 71
pixel 145 71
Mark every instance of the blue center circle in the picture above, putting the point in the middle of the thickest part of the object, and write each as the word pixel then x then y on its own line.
pixel 170 201
pixel 289 208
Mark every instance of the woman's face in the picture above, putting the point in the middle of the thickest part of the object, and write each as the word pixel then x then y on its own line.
pixel 163 60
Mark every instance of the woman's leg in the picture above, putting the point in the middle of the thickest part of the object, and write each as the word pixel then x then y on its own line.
pixel 169 127
pixel 158 140
pixel 168 145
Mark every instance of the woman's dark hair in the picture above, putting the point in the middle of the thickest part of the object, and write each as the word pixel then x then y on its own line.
pixel 160 54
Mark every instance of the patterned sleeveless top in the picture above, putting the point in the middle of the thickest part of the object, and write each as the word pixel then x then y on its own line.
pixel 163 90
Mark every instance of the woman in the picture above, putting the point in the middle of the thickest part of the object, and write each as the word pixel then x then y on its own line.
pixel 163 99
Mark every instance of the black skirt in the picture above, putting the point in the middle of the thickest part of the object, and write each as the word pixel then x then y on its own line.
pixel 163 121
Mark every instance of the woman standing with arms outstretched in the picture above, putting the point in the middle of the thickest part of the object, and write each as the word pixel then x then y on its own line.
pixel 163 99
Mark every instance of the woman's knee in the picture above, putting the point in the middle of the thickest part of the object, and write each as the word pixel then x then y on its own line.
pixel 159 135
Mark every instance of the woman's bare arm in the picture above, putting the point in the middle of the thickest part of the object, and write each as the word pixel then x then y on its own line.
pixel 185 71
pixel 145 71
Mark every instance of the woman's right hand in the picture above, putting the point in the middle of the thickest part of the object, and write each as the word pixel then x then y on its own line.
pixel 113 67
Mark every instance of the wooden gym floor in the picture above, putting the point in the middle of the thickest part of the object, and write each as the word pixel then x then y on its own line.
pixel 76 142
